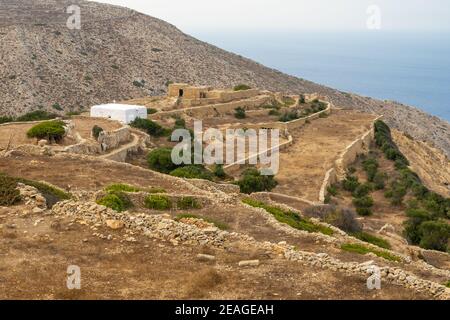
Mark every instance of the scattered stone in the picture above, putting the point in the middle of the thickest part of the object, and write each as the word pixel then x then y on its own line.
pixel 206 257
pixel 37 210
pixel 115 224
pixel 249 263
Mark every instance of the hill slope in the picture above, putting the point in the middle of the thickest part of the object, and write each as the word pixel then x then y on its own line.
pixel 43 63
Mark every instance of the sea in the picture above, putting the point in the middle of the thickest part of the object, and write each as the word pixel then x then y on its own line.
pixel 409 67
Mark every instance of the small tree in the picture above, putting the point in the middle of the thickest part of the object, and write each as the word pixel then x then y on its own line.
pixel 50 130
pixel 161 160
pixel 239 113
pixel 434 235
pixel 96 130
pixel 252 181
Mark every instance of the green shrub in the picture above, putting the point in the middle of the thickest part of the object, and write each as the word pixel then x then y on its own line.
pixel 116 200
pixel 6 119
pixel 379 181
pixel 139 84
pixel 150 127
pixel 434 235
pixel 288 101
pixel 96 130
pixel 366 237
pixel 363 205
pixel 188 203
pixel 120 187
pixel 362 190
pixel 370 166
pixel 333 190
pixel 411 226
pixel 350 183
pixel 57 106
pixel 290 218
pixel 239 113
pixel 219 172
pixel 289 116
pixel 241 87
pixel 158 202
pixel 50 130
pixel 218 224
pixel 252 181
pixel 161 160
pixel 180 123
pixel 302 99
pixel 274 112
pixel 361 249
pixel 36 116
pixel 192 172
pixel 151 111
pixel 9 195
pixel 157 190
pixel 342 218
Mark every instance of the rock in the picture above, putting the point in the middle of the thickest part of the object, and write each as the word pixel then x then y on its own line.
pixel 42 143
pixel 387 228
pixel 249 263
pixel 115 224
pixel 37 210
pixel 205 257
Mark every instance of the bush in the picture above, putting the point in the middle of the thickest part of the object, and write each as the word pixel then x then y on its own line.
pixel 158 202
pixel 219 172
pixel 241 87
pixel 50 130
pixel 6 119
pixel 411 226
pixel 157 190
pixel 274 112
pixel 239 113
pixel 363 205
pixel 151 111
pixel 9 195
pixel 252 181
pixel 379 181
pixel 161 160
pixel 290 218
pixel 116 200
pixel 289 116
pixel 361 249
pixel 434 235
pixel 180 123
pixel 302 99
pixel 57 106
pixel 96 130
pixel 120 187
pixel 36 116
pixel 188 203
pixel 150 127
pixel 342 218
pixel 366 237
pixel 350 183
pixel 362 190
pixel 370 166
pixel 332 190
pixel 192 172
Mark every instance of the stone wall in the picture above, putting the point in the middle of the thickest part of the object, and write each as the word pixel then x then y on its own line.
pixel 347 157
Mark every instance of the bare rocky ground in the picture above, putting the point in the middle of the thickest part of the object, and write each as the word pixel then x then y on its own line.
pixel 43 63
pixel 36 250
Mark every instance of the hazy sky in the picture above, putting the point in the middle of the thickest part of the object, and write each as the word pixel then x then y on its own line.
pixel 294 15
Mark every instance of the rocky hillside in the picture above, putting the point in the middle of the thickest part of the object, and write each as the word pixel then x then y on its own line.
pixel 120 54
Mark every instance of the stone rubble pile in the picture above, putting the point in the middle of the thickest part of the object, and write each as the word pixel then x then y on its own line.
pixel 32 198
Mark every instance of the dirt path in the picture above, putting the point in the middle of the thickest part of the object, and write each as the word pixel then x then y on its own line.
pixel 316 146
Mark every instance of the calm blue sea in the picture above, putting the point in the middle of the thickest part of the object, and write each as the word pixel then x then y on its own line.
pixel 413 68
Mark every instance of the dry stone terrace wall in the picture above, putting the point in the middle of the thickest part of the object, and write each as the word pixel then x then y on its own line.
pixel 348 156
pixel 159 227
pixel 213 110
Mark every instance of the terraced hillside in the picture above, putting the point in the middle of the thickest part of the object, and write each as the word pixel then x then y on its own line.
pixel 120 54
